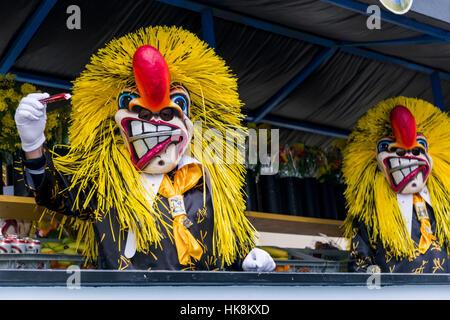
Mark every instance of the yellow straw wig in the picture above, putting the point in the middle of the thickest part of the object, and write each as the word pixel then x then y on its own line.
pixel 100 164
pixel 369 197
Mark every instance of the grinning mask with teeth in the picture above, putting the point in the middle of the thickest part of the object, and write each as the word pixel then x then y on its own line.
pixel 404 158
pixel 153 119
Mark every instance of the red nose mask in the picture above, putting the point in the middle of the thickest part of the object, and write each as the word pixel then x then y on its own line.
pixel 152 77
pixel 404 127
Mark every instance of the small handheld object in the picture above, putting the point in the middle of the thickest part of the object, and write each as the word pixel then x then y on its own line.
pixel 56 97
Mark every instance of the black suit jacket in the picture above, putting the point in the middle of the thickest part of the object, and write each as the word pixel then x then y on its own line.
pixel 50 191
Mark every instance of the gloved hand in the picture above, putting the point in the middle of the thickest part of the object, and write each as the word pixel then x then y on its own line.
pixel 258 260
pixel 30 120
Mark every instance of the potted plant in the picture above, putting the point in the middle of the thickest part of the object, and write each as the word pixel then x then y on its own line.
pixel 290 180
pixel 309 163
pixel 267 180
pixel 332 183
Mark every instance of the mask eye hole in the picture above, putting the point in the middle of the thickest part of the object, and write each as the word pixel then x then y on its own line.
pixel 399 151
pixel 145 114
pixel 167 114
pixel 417 151
pixel 383 146
pixel 124 99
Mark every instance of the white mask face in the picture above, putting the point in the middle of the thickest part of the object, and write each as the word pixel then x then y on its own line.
pixel 156 141
pixel 406 171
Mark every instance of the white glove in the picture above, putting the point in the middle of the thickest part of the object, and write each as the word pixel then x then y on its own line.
pixel 258 260
pixel 31 117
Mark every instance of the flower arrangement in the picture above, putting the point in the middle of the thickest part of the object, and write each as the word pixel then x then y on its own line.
pixel 10 95
pixel 301 161
pixel 332 171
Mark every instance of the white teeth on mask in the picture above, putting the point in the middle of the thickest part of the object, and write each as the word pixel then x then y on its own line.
pixel 140 148
pixel 151 142
pixel 162 138
pixel 164 128
pixel 404 161
pixel 406 165
pixel 145 136
pixel 394 162
pixel 148 127
pixel 405 171
pixel 136 127
pixel 398 177
pixel 400 168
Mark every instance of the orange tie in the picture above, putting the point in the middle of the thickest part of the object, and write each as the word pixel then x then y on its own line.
pixel 425 228
pixel 185 178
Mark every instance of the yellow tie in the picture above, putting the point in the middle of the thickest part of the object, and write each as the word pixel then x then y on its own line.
pixel 425 228
pixel 185 178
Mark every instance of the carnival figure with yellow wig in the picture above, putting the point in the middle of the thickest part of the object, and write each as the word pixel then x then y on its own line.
pixel 130 183
pixel 397 171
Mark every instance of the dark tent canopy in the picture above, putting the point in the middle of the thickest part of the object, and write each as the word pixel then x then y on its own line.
pixel 312 66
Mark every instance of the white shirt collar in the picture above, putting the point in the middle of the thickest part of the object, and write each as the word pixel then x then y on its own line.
pixel 405 203
pixel 185 160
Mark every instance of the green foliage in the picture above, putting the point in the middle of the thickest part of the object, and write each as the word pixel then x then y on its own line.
pixel 302 161
pixel 11 93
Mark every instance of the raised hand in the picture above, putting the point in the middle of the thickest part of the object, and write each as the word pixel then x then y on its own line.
pixel 30 120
